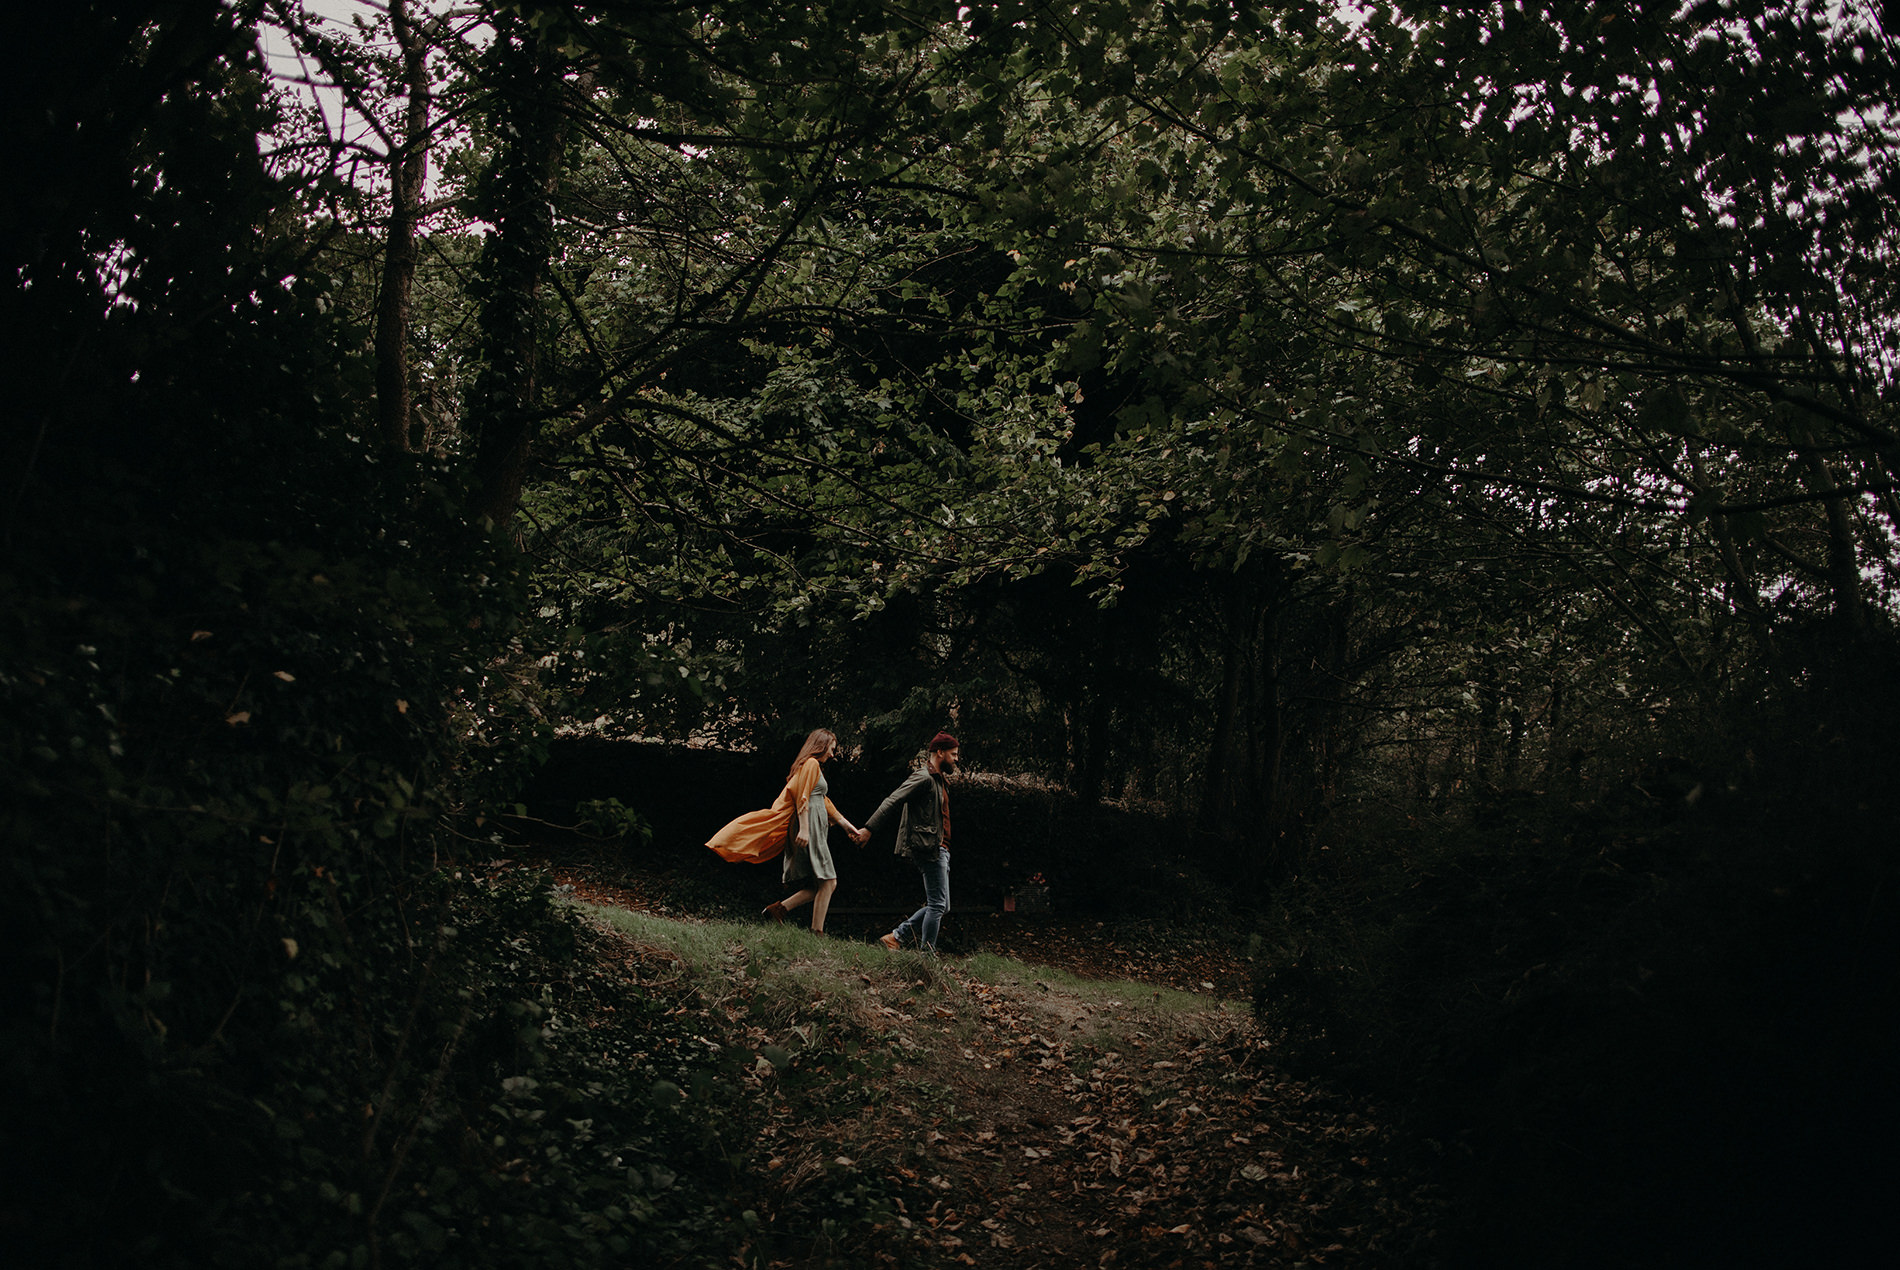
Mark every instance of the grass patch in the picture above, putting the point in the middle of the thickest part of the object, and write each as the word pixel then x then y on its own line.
pixel 784 961
pixel 787 975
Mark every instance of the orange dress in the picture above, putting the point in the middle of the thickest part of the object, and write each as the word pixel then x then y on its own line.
pixel 758 836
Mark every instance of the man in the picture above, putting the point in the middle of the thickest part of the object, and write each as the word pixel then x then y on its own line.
pixel 923 834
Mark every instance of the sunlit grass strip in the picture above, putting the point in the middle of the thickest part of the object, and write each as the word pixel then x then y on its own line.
pixel 1100 993
pixel 839 967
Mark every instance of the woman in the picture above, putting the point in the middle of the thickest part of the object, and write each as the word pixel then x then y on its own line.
pixel 803 814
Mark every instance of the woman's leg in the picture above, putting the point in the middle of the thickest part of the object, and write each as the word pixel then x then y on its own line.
pixel 821 903
pixel 798 900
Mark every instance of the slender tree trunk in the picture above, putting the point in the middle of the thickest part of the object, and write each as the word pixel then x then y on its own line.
pixel 1555 726
pixel 1330 724
pixel 1244 803
pixel 1490 710
pixel 1219 795
pixel 504 407
pixel 1232 777
pixel 1744 597
pixel 1843 560
pixel 1742 592
pixel 409 169
pixel 1096 714
pixel 1267 726
pixel 1094 704
pixel 1514 744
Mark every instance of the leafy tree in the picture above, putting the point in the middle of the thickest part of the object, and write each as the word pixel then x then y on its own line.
pixel 240 657
pixel 1465 324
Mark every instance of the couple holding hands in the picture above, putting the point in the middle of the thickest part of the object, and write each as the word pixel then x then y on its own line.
pixel 801 819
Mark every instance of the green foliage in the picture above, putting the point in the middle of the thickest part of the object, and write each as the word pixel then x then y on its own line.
pixel 609 818
pixel 241 657
pixel 464 1106
pixel 1620 1007
pixel 1212 427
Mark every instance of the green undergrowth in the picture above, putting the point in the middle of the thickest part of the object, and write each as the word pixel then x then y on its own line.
pixel 1616 1014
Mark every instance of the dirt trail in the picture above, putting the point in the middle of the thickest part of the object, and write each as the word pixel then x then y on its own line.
pixel 1093 1133
pixel 1024 1124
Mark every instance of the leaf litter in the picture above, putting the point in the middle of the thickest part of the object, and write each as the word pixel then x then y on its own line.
pixel 984 1112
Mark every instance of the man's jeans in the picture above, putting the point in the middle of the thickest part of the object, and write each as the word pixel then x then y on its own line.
pixel 922 925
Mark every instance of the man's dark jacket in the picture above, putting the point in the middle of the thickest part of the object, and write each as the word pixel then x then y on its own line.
pixel 920 826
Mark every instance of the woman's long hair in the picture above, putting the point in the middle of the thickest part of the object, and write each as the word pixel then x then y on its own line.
pixel 814 745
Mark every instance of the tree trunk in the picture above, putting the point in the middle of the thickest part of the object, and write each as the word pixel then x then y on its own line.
pixel 1490 711
pixel 504 408
pixel 1843 560
pixel 1244 806
pixel 1330 721
pixel 408 171
pixel 1096 714
pixel 1514 744
pixel 1221 794
pixel 1267 726
pixel 1555 724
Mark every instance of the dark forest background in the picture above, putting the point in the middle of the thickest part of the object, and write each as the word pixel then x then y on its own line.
pixel 1415 492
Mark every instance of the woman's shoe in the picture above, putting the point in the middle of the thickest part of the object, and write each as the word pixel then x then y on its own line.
pixel 775 912
pixel 889 941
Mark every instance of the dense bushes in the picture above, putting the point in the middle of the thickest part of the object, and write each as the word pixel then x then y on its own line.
pixel 228 707
pixel 1650 1029
pixel 535 1119
pixel 238 656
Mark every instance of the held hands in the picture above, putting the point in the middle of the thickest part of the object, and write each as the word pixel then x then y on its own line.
pixel 858 835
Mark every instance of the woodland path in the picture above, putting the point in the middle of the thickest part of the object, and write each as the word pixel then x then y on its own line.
pixel 1036 1122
